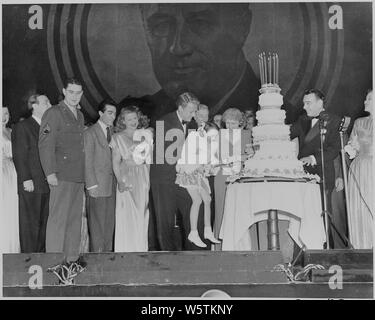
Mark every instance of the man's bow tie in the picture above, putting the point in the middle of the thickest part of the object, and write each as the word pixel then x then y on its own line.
pixel 184 122
pixel 322 116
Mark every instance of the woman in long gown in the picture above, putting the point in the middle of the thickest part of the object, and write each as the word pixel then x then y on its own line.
pixel 360 180
pixel 10 242
pixel 233 119
pixel 131 158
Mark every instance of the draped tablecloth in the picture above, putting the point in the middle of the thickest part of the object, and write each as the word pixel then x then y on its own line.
pixel 248 203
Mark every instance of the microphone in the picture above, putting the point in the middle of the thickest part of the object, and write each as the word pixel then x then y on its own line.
pixel 323 121
pixel 344 124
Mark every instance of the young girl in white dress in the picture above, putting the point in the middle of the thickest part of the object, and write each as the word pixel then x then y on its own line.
pixel 198 160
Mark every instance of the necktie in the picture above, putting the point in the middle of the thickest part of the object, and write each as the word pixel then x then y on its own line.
pixel 184 125
pixel 108 135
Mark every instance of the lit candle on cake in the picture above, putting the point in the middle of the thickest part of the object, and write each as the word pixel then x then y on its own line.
pixel 261 60
pixel 274 68
pixel 261 69
pixel 277 68
pixel 264 68
pixel 269 67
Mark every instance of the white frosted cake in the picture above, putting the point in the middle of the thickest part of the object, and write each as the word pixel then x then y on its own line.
pixel 275 155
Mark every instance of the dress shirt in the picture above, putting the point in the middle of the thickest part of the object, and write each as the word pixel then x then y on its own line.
pixel 37 119
pixel 183 124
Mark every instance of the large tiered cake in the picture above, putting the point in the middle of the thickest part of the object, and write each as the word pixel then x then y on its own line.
pixel 276 154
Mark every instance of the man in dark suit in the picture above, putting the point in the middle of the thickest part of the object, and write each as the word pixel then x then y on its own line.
pixel 307 129
pixel 100 180
pixel 33 189
pixel 62 154
pixel 168 197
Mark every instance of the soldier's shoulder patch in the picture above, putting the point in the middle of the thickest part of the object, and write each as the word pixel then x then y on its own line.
pixel 46 129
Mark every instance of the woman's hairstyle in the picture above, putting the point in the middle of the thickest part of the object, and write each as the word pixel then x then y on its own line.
pixel 8 125
pixel 143 121
pixel 185 98
pixel 364 112
pixel 233 114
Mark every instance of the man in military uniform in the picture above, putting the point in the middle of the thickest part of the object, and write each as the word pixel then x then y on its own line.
pixel 62 155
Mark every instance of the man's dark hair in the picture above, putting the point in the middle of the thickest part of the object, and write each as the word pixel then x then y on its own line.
pixel 72 80
pixel 185 98
pixel 106 102
pixel 316 92
pixel 32 100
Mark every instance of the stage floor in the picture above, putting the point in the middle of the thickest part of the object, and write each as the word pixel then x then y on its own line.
pixel 342 274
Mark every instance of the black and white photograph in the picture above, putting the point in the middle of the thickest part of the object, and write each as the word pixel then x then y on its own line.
pixel 187 150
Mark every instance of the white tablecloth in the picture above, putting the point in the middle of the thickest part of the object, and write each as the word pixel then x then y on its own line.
pixel 297 202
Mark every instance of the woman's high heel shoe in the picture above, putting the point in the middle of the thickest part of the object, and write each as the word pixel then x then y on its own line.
pixel 194 238
pixel 208 234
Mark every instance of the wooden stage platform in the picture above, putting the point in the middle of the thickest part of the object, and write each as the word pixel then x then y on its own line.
pixel 192 273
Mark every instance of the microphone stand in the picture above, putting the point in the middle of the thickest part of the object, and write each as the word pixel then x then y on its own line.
pixel 323 131
pixel 345 173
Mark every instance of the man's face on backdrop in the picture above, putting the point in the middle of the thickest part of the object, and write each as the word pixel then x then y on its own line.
pixel 194 47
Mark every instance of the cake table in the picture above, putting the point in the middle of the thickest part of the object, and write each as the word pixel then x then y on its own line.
pixel 250 201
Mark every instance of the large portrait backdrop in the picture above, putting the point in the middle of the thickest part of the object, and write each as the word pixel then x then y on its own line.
pixel 155 51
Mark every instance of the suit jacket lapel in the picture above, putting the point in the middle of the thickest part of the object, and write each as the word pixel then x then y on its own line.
pixel 100 135
pixel 177 121
pixel 80 118
pixel 34 126
pixel 314 131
